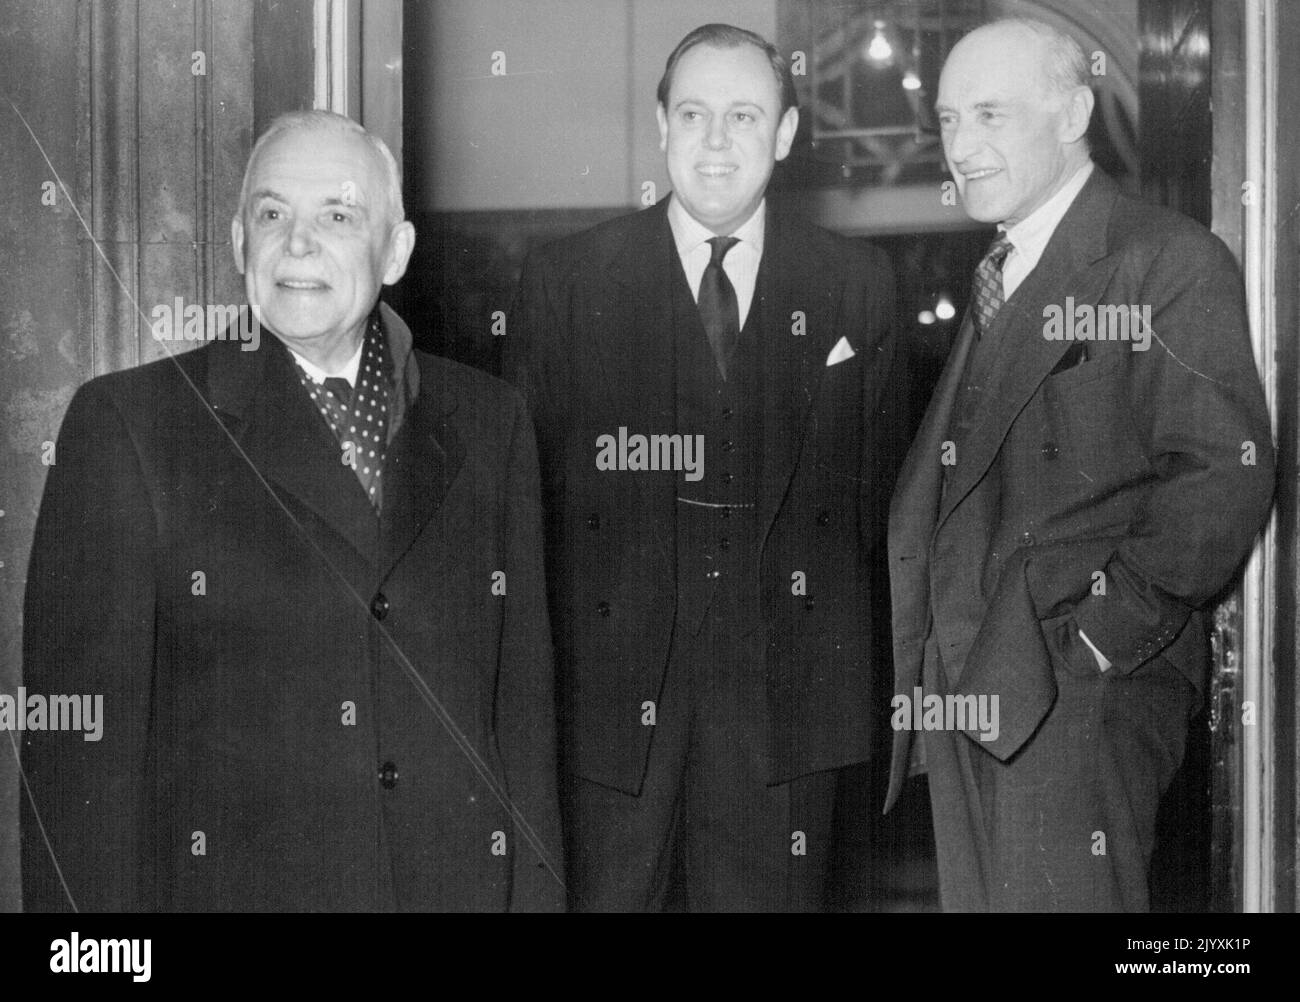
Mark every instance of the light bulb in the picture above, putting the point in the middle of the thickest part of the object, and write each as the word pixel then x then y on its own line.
pixel 880 49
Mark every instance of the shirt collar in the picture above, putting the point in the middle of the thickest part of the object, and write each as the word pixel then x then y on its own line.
pixel 1031 234
pixel 319 375
pixel 400 345
pixel 405 374
pixel 689 233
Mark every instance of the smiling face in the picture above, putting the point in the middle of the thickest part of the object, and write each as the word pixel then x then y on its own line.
pixel 315 242
pixel 1011 139
pixel 723 132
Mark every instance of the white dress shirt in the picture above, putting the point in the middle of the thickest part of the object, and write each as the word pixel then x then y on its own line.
pixel 740 264
pixel 1029 237
pixel 318 375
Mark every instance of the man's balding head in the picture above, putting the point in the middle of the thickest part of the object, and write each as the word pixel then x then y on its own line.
pixel 317 120
pixel 319 231
pixel 1014 104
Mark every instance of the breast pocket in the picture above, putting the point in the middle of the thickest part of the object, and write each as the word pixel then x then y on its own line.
pixel 1081 364
pixel 1089 443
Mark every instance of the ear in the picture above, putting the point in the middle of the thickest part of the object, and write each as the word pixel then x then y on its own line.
pixel 661 116
pixel 1078 112
pixel 785 131
pixel 400 244
pixel 237 241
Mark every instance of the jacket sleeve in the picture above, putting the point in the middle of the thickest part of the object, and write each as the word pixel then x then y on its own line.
pixel 525 714
pixel 88 631
pixel 1197 407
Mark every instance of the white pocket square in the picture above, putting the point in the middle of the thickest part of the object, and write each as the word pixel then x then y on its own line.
pixel 842 350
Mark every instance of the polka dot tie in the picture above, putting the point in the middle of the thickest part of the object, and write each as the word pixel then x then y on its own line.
pixel 359 417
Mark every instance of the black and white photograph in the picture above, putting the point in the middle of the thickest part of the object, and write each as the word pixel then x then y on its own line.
pixel 639 456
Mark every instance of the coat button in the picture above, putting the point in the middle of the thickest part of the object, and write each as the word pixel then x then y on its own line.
pixel 1027 539
pixel 823 518
pixel 725 512
pixel 728 478
pixel 728 446
pixel 724 543
pixel 726 413
pixel 1050 451
pixel 808 603
pixel 593 522
pixel 379 606
pixel 388 775
pixel 603 608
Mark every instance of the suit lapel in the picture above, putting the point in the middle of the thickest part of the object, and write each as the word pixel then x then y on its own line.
pixel 421 464
pixel 635 356
pixel 789 283
pixel 914 509
pixel 1073 265
pixel 260 399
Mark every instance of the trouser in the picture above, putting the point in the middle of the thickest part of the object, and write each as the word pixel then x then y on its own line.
pixel 1068 823
pixel 707 832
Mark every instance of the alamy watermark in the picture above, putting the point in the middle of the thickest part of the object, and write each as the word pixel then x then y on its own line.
pixel 178 321
pixel 1086 322
pixel 83 713
pixel 681 453
pixel 75 955
pixel 950 712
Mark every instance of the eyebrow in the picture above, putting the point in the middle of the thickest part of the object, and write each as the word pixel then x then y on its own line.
pixel 981 106
pixel 731 107
pixel 330 202
pixel 355 203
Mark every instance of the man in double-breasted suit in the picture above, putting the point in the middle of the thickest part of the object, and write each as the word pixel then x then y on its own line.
pixel 1093 467
pixel 710 381
pixel 304 573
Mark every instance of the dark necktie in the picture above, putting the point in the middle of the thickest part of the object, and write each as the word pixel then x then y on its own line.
pixel 987 287
pixel 718 308
pixel 341 389
pixel 359 418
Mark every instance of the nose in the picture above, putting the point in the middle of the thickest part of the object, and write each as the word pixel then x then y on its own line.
pixel 960 142
pixel 302 238
pixel 716 138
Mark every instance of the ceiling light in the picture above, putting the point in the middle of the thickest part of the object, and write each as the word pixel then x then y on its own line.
pixel 880 50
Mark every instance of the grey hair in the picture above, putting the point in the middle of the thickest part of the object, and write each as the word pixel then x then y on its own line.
pixel 313 120
pixel 1066 66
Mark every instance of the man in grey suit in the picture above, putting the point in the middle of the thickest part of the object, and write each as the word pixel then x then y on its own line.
pixel 1093 467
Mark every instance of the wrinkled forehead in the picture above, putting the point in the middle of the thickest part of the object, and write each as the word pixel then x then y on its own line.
pixel 1003 63
pixel 319 165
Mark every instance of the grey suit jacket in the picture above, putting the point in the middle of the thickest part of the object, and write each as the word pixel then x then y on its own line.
pixel 1153 467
